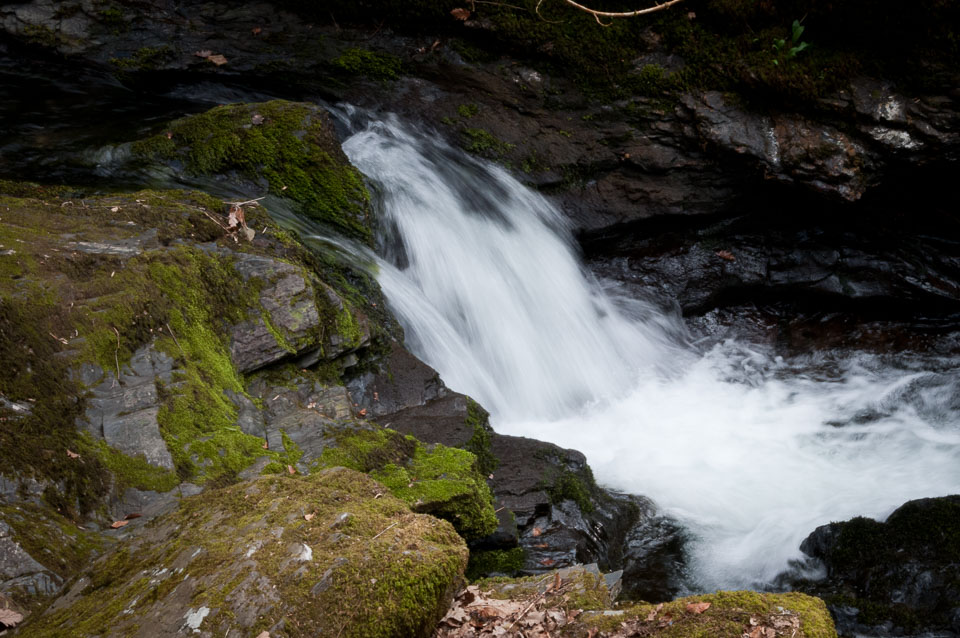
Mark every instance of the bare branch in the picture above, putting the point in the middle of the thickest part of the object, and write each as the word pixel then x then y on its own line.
pixel 622 14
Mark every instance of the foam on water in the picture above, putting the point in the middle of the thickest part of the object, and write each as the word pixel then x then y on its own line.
pixel 750 451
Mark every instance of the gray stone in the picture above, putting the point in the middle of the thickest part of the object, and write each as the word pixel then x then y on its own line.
pixel 123 412
pixel 20 572
pixel 253 346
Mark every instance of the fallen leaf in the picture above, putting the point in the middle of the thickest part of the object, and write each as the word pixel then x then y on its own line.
pixel 291 470
pixel 460 13
pixel 546 562
pixel 203 54
pixel 218 59
pixel 119 524
pixel 653 613
pixel 308 517
pixel 250 233
pixel 363 412
pixel 132 516
pixel 257 118
pixel 266 446
pixel 114 209
pixel 9 618
pixel 169 135
pixel 726 255
pixel 536 532
pixel 256 31
pixel 263 634
pixel 72 455
pixel 697 608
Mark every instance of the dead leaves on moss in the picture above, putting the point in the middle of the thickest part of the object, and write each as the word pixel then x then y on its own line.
pixel 475 614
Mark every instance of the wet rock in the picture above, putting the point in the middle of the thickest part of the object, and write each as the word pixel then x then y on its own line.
pixel 892 578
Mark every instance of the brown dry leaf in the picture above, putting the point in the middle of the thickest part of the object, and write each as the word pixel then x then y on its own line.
pixel 169 135
pixel 203 54
pixel 653 613
pixel 697 608
pixel 291 470
pixel 256 31
pixel 460 13
pixel 119 524
pixel 266 446
pixel 536 532
pixel 10 618
pixel 72 455
pixel 131 516
pixel 546 562
pixel 218 59
pixel 308 517
pixel 726 255
pixel 363 412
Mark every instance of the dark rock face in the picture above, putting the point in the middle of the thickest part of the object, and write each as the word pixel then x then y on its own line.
pixel 702 265
pixel 899 577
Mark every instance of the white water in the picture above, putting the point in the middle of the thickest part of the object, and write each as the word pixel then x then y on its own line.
pixel 745 448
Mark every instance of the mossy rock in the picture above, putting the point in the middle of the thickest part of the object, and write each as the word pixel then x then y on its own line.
pixel 87 284
pixel 325 554
pixel 288 149
pixel 724 614
pixel 434 479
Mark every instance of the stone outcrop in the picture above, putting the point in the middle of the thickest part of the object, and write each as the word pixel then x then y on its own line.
pixel 898 577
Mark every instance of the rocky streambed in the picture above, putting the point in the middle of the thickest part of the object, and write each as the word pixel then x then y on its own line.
pixel 211 424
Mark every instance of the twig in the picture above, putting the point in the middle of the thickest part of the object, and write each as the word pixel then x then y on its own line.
pixel 524 612
pixel 388 527
pixel 215 221
pixel 176 342
pixel 622 14
pixel 252 201
pixel 116 353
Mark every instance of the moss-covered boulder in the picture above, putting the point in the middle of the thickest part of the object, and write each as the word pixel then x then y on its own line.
pixel 329 554
pixel 287 149
pixel 434 479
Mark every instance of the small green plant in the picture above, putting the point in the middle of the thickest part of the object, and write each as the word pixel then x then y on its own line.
pixel 467 111
pixel 789 49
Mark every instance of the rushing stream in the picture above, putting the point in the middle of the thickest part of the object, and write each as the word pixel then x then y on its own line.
pixel 749 450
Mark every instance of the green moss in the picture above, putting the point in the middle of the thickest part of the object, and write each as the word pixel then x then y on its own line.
pixel 495 561
pixel 144 59
pixel 389 573
pixel 136 471
pixel 467 111
pixel 729 616
pixel 436 479
pixel 479 443
pixel 376 66
pixel 482 142
pixel 41 35
pixel 294 149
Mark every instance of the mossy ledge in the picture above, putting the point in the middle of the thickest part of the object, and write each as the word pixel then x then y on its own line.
pixel 433 479
pixel 290 146
pixel 325 554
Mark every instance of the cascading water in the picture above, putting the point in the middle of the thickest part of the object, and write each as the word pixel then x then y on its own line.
pixel 750 451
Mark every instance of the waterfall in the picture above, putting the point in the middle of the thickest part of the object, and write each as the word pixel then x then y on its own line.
pixel 750 451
